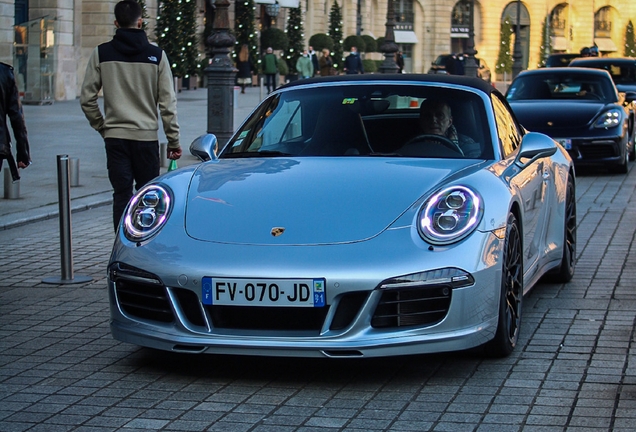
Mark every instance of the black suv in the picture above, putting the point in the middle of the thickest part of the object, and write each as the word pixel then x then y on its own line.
pixel 439 66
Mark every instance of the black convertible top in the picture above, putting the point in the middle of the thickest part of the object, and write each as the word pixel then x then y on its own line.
pixel 476 83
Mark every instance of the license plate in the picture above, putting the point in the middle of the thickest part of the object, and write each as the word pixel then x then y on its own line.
pixel 263 292
pixel 565 142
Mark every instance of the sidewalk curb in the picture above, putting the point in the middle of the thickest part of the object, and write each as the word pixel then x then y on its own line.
pixel 52 210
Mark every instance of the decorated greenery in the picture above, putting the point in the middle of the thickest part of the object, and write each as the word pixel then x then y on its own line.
pixel 504 60
pixel 630 42
pixel 369 44
pixel 177 35
pixel 378 43
pixel 245 31
pixel 296 37
pixel 369 66
pixel 144 14
pixel 275 38
pixel 546 48
pixel 354 41
pixel 335 32
pixel 320 41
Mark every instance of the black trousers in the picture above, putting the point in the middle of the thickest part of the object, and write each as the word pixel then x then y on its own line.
pixel 129 162
pixel 270 82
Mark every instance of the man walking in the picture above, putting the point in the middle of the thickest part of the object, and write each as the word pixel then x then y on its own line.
pixel 270 67
pixel 136 79
pixel 353 63
pixel 10 106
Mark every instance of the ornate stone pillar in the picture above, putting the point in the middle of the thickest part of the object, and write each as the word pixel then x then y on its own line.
pixel 220 74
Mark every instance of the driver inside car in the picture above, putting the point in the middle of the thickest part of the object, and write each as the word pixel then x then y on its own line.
pixel 436 119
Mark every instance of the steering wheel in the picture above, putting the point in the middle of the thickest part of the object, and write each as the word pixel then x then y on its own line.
pixel 439 139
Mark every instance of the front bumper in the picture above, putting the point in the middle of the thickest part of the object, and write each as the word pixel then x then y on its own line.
pixel 347 327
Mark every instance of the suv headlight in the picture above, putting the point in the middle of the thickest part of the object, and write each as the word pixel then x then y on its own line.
pixel 450 215
pixel 147 212
pixel 609 119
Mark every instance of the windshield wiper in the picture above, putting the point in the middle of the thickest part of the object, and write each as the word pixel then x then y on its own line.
pixel 264 153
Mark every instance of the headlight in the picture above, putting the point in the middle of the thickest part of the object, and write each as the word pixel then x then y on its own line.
pixel 450 215
pixel 147 212
pixel 609 119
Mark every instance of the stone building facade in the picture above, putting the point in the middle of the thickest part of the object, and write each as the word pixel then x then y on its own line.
pixel 64 32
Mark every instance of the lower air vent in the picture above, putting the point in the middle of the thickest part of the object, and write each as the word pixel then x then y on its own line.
pixel 348 307
pixel 412 307
pixel 267 318
pixel 190 304
pixel 143 301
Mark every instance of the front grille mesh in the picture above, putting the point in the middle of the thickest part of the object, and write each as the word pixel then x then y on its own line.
pixel 597 151
pixel 144 301
pixel 412 307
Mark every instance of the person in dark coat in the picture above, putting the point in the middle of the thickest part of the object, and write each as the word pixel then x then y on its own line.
pixel 10 106
pixel 244 68
pixel 399 60
pixel 314 60
pixel 353 63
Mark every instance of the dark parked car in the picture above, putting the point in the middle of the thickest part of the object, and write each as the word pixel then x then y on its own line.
pixel 439 66
pixel 560 60
pixel 580 108
pixel 622 70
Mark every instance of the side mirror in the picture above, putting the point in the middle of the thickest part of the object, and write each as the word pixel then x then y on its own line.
pixel 205 147
pixel 535 146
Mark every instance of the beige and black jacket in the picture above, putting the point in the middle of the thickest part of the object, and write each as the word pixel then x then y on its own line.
pixel 137 85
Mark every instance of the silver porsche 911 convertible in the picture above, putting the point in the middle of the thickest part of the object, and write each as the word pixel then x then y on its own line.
pixel 349 216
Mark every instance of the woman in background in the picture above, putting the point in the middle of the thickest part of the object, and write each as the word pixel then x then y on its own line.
pixel 244 66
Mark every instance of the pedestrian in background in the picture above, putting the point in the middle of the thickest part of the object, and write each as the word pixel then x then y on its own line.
pixel 10 106
pixel 314 60
pixel 135 78
pixel 353 63
pixel 244 68
pixel 270 67
pixel 326 63
pixel 304 66
pixel 399 60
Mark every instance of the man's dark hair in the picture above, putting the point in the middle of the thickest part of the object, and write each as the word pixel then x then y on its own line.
pixel 127 13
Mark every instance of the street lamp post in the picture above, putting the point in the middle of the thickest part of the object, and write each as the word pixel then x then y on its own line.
pixel 516 53
pixel 272 10
pixel 470 64
pixel 220 75
pixel 389 47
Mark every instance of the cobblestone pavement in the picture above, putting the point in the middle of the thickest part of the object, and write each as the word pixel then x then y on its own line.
pixel 574 369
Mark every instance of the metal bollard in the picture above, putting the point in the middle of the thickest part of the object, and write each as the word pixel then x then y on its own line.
pixel 74 167
pixel 163 156
pixel 11 188
pixel 64 196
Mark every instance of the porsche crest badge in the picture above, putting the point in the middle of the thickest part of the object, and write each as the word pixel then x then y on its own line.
pixel 276 231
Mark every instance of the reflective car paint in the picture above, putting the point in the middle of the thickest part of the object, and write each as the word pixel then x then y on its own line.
pixel 352 221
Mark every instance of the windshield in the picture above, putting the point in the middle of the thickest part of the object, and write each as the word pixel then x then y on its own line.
pixel 622 73
pixel 361 120
pixel 567 85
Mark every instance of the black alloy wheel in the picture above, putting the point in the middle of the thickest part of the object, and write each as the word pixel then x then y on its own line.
pixel 511 299
pixel 565 271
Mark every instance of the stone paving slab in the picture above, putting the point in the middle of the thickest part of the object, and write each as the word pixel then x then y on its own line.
pixel 574 368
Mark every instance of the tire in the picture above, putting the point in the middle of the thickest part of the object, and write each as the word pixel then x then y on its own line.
pixel 511 297
pixel 565 271
pixel 622 167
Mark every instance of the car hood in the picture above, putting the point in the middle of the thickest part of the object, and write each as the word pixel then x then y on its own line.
pixel 543 116
pixel 308 201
